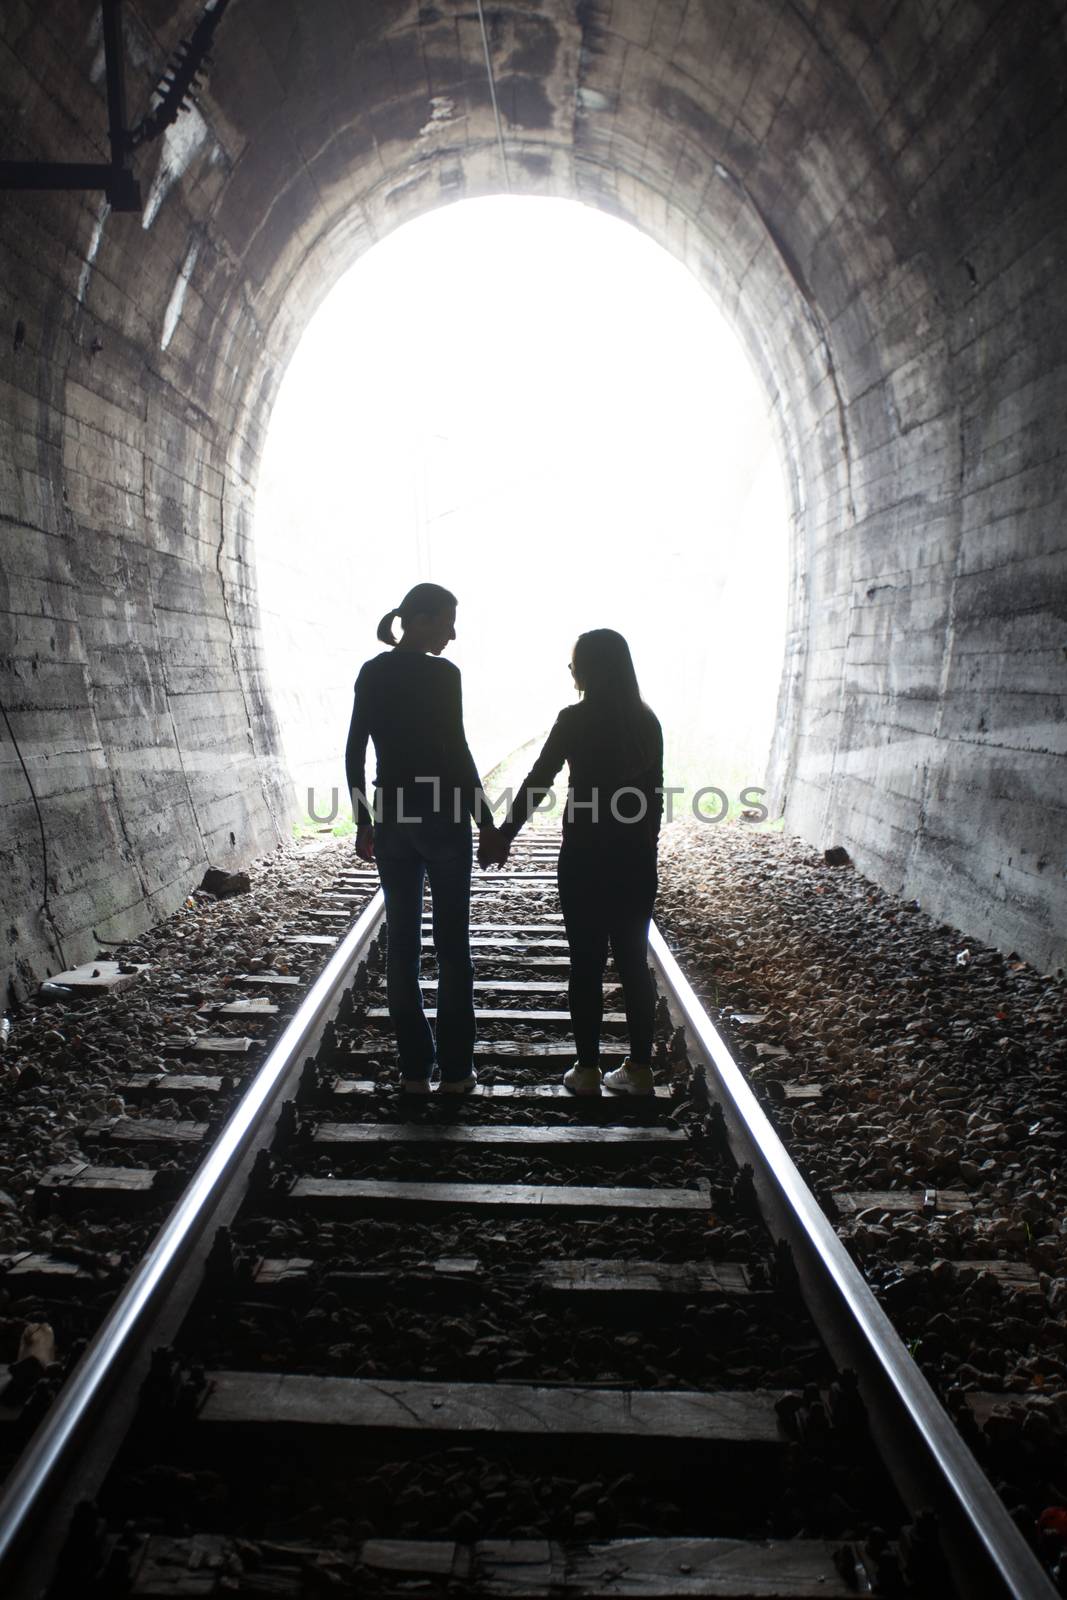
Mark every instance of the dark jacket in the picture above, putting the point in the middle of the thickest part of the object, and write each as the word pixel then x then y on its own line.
pixel 608 759
pixel 411 706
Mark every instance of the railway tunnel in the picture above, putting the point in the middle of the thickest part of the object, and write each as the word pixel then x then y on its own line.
pixel 873 194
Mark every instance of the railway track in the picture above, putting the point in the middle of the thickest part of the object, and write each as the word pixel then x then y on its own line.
pixel 513 1344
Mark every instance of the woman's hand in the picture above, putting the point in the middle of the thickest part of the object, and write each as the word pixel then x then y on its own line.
pixel 493 847
pixel 365 841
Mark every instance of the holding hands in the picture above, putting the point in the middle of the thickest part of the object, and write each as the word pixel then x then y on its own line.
pixel 493 846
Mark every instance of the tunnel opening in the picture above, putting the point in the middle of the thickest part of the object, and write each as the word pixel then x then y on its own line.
pixel 866 195
pixel 535 404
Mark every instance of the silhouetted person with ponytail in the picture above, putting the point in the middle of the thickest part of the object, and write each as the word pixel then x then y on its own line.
pixel 409 703
pixel 607 865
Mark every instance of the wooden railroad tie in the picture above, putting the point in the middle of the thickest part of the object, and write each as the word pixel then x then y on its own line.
pixel 636 1416
pixel 507 1050
pixel 661 1096
pixel 516 985
pixel 239 1008
pixel 610 1019
pixel 163 1085
pixel 585 1279
pixel 148 1130
pixel 529 1569
pixel 32 1272
pixel 268 980
pixel 491 1134
pixel 483 930
pixel 853 1204
pixel 341 1135
pixel 380 1194
pixel 85 1183
pixel 185 1085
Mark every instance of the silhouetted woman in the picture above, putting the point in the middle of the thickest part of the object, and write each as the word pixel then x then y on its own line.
pixel 427 787
pixel 607 865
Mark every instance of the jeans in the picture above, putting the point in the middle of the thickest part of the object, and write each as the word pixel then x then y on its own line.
pixel 607 897
pixel 408 853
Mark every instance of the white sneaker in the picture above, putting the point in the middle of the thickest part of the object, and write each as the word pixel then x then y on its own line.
pixel 582 1080
pixel 458 1085
pixel 414 1086
pixel 630 1078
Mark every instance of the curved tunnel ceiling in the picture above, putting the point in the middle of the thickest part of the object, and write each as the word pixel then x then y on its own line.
pixel 840 177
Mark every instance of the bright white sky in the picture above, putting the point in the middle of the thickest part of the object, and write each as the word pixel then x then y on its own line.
pixel 534 404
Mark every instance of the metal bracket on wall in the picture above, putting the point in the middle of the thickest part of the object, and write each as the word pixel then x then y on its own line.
pixel 114 177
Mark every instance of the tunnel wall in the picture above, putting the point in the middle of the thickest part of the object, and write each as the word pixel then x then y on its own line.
pixel 873 193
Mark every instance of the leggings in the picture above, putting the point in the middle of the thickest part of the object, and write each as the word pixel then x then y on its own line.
pixel 607 897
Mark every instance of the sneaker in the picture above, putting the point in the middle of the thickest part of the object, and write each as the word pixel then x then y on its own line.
pixel 414 1086
pixel 582 1080
pixel 458 1085
pixel 630 1078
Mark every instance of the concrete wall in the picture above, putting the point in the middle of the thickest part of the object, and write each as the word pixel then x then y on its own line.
pixel 873 191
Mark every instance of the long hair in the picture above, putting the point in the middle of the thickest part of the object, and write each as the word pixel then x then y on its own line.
pixel 426 599
pixel 604 669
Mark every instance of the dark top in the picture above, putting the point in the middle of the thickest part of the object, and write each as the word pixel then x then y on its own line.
pixel 602 760
pixel 411 705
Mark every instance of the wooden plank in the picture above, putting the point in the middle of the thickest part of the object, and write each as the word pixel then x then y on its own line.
pixel 492 883
pixel 281 1275
pixel 662 1094
pixel 273 1272
pixel 563 1134
pixel 82 1177
pixel 102 975
pixel 535 961
pixel 551 922
pixel 983 1403
pixel 509 1050
pixel 610 1018
pixel 220 1044
pixel 516 986
pixel 299 1399
pixel 163 1084
pixel 850 1204
pixel 46 1275
pixel 659 1569
pixel 239 1008
pixel 195 1567
pixel 498 1196
pixel 688 1279
pixel 691 1278
pixel 1010 1274
pixel 508 944
pixel 267 980
pixel 148 1130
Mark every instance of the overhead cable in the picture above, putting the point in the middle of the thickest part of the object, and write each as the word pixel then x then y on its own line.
pixel 492 96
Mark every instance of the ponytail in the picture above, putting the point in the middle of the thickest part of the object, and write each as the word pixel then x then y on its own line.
pixel 385 627
pixel 426 599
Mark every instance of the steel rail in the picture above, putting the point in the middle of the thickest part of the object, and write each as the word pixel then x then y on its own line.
pixel 928 1459
pixel 65 1461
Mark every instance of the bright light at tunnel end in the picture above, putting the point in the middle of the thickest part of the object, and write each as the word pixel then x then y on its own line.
pixel 536 405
